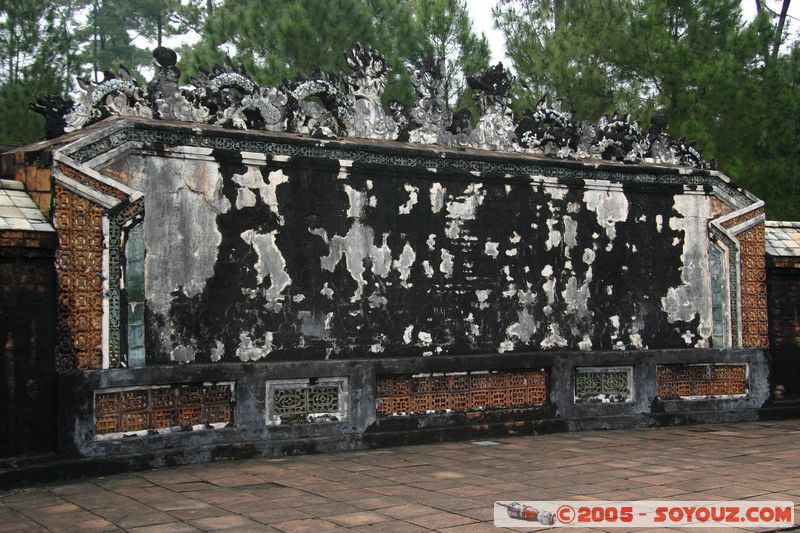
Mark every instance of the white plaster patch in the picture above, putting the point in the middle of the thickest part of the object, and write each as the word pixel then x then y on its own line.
pixel 425 338
pixel 463 208
pixel 217 351
pixel 505 346
pixel 404 262
pixel 524 328
pixel 245 198
pixel 570 233
pixel 693 296
pixel 437 193
pixel 554 235
pixel 552 188
pixel 431 242
pixel 426 266
pixel 636 341
pixel 326 291
pixel 446 266
pixel 188 196
pixel 357 201
pixel 321 233
pixel 585 345
pixel 377 301
pixel 553 339
pixel 659 223
pixel 490 249
pixel 269 192
pixel 250 351
pixel 413 192
pixel 381 257
pixel 182 354
pixel 407 334
pixel 577 297
pixel 483 295
pixel 610 207
pixel 376 348
pixel 270 261
pixel 512 252
pixel 357 246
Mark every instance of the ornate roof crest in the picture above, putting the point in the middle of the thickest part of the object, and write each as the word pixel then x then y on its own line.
pixel 350 105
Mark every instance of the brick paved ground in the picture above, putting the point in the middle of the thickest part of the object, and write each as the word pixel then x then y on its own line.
pixel 442 487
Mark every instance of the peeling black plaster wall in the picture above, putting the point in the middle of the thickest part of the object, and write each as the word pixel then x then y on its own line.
pixel 643 262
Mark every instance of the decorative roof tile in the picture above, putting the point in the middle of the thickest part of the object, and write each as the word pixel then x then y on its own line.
pixel 18 211
pixel 783 238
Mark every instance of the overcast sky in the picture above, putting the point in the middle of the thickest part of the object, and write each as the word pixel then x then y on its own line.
pixel 480 12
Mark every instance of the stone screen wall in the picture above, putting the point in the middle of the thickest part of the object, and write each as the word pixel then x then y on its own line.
pixel 252 257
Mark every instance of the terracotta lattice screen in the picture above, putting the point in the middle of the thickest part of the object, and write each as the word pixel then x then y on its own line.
pixel 162 407
pixel 688 381
pixel 421 393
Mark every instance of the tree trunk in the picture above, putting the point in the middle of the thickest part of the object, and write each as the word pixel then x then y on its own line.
pixel 776 45
pixel 94 39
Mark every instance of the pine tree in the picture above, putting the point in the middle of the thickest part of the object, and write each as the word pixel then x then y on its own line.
pixel 448 34
pixel 717 80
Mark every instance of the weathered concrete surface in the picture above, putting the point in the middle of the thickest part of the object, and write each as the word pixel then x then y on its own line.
pixel 440 487
pixel 361 428
pixel 277 258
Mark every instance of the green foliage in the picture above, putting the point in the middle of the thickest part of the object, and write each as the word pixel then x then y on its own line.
pixel 716 79
pixel 732 86
pixel 305 33
pixel 448 34
pixel 36 59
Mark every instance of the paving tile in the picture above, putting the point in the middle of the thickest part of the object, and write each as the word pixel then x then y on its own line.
pixel 369 504
pixel 166 528
pixel 223 522
pixel 207 511
pixel 472 528
pixel 325 510
pixel 390 527
pixel 408 510
pixel 134 516
pixel 440 520
pixel 484 513
pixel 307 525
pixel 453 504
pixel 278 515
pixel 73 488
pixel 426 487
pixel 237 481
pixel 360 518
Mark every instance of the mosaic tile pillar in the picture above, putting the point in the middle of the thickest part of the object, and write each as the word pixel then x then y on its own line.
pixel 755 325
pixel 79 271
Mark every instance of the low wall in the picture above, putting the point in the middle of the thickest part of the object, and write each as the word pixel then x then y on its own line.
pixel 346 405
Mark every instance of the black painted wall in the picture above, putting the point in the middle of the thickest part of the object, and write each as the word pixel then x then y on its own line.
pixel 607 290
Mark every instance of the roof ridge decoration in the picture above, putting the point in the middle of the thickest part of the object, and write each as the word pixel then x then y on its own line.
pixel 349 105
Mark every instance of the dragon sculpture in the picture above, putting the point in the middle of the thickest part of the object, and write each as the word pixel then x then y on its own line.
pixel 329 105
